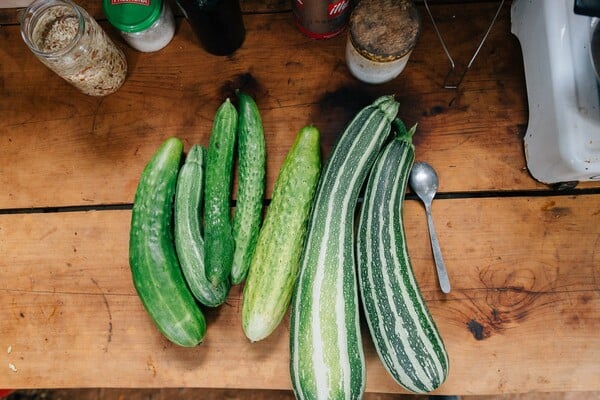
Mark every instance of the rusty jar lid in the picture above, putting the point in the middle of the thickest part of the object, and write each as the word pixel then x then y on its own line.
pixel 384 30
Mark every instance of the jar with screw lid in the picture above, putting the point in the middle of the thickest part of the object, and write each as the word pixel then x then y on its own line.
pixel 146 25
pixel 381 37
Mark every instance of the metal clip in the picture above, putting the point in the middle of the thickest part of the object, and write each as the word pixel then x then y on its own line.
pixel 452 64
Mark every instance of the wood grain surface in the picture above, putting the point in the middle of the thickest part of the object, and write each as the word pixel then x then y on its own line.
pixel 241 394
pixel 523 313
pixel 523 258
pixel 92 149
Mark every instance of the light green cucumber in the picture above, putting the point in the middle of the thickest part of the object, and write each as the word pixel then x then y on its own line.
pixel 275 262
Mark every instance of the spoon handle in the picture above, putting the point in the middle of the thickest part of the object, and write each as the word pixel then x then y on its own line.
pixel 437 254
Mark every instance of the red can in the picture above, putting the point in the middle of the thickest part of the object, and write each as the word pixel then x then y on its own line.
pixel 321 19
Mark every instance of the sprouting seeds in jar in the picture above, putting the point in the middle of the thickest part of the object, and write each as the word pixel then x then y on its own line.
pixel 88 59
pixel 56 30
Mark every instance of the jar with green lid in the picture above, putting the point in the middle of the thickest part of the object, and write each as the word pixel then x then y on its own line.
pixel 146 25
pixel 381 37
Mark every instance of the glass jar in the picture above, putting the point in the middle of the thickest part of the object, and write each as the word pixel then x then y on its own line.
pixel 381 37
pixel 145 25
pixel 70 42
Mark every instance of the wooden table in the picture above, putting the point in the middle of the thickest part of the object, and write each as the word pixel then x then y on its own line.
pixel 523 258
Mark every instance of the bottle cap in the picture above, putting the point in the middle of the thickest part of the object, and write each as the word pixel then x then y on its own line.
pixel 132 15
pixel 384 30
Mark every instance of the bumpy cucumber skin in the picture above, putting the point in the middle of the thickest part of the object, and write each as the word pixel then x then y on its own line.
pixel 153 260
pixel 189 242
pixel 326 354
pixel 403 331
pixel 251 185
pixel 218 234
pixel 276 259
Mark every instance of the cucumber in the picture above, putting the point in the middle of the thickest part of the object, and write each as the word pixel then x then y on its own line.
pixel 403 331
pixel 218 235
pixel 326 354
pixel 189 242
pixel 276 258
pixel 153 260
pixel 251 185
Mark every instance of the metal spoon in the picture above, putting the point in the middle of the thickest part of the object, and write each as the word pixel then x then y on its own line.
pixel 424 182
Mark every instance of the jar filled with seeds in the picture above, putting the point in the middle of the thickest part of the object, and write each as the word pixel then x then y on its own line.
pixel 70 42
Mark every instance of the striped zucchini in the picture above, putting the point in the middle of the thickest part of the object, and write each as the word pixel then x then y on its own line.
pixel 327 359
pixel 251 186
pixel 189 242
pixel 153 260
pixel 274 266
pixel 218 235
pixel 405 336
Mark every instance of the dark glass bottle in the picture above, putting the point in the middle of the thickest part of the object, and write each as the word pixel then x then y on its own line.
pixel 218 24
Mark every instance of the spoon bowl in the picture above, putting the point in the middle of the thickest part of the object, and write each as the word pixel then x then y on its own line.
pixel 424 182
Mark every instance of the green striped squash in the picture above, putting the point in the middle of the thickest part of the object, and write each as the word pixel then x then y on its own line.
pixel 326 354
pixel 403 331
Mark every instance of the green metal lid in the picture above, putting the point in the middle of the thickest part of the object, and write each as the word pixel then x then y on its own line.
pixel 132 15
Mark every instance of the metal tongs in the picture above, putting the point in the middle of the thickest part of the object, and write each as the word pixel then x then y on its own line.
pixel 455 85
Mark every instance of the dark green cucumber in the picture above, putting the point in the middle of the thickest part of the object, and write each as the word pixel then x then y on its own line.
pixel 218 235
pixel 327 359
pixel 276 258
pixel 251 185
pixel 153 260
pixel 403 331
pixel 189 242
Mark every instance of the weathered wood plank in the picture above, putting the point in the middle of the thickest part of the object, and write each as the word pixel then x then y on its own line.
pixel 11 15
pixel 523 314
pixel 63 148
pixel 9 9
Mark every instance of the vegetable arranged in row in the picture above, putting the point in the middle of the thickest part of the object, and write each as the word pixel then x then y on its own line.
pixel 327 360
pixel 189 241
pixel 218 234
pixel 405 336
pixel 303 254
pixel 155 268
pixel 251 185
pixel 173 264
pixel 276 258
